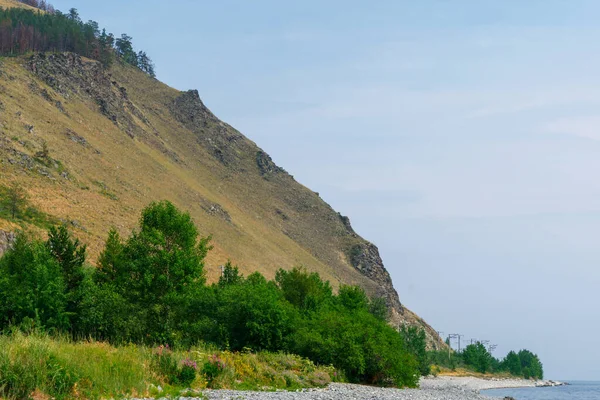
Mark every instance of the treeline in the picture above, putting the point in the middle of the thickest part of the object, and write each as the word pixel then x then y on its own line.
pixel 477 358
pixel 23 31
pixel 150 288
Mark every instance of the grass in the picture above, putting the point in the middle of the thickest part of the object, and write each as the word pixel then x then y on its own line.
pixel 26 215
pixel 136 171
pixel 104 191
pixel 462 372
pixel 13 3
pixel 41 367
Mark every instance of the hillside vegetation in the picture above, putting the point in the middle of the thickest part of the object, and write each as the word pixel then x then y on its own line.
pixel 92 144
pixel 149 289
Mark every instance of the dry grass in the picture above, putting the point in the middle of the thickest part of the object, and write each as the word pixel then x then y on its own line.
pixel 463 372
pixel 13 4
pixel 113 177
pixel 138 173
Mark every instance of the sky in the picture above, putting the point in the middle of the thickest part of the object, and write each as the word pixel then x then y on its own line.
pixel 461 137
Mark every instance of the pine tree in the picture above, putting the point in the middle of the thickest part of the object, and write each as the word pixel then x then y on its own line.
pixel 125 50
pixel 73 15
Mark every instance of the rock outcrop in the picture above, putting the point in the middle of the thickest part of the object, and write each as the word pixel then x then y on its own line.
pixel 265 164
pixel 69 75
pixel 365 258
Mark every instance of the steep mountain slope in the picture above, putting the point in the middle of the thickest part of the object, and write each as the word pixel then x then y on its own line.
pixel 117 140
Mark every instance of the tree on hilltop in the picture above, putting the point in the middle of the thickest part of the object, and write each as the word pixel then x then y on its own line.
pixel 125 50
pixel 73 15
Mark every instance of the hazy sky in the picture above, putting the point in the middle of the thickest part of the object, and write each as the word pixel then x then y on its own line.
pixel 461 137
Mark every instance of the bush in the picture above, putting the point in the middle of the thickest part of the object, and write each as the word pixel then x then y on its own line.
pixel 187 372
pixel 213 368
pixel 363 347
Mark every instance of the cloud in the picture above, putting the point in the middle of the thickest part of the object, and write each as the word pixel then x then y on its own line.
pixel 584 126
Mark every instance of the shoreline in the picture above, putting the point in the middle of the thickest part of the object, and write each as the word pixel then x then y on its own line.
pixel 478 384
pixel 432 388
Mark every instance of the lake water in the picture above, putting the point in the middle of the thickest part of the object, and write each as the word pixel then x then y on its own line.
pixel 577 390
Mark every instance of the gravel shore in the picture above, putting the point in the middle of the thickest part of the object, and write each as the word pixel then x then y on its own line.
pixel 441 388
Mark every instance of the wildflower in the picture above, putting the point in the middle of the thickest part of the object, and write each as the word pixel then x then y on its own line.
pixel 189 363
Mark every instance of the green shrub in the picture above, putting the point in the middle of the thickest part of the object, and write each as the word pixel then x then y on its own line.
pixel 212 368
pixel 187 372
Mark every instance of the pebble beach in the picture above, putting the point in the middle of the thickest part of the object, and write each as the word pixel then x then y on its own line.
pixel 439 388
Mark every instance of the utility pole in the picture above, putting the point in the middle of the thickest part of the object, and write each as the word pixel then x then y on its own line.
pixel 459 336
pixel 450 337
pixel 473 340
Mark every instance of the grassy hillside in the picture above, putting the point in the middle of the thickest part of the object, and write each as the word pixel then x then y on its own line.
pixel 14 3
pixel 118 140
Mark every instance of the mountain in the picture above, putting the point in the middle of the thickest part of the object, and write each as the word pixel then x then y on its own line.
pixel 92 146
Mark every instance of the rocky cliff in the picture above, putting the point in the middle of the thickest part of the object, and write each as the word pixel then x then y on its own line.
pixel 118 139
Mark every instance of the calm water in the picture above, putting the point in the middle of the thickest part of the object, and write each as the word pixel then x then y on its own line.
pixel 577 390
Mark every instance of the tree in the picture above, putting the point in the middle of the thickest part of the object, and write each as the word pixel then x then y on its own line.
pixel 353 298
pixel 110 258
pixel 231 275
pixel 531 365
pixel 125 50
pixel 477 357
pixel 32 289
pixel 156 267
pixel 23 30
pixel 303 289
pixel 379 309
pixel 73 15
pixel 106 43
pixel 146 64
pixel 512 364
pixel 253 314
pixel 69 253
pixel 15 200
pixel 416 344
